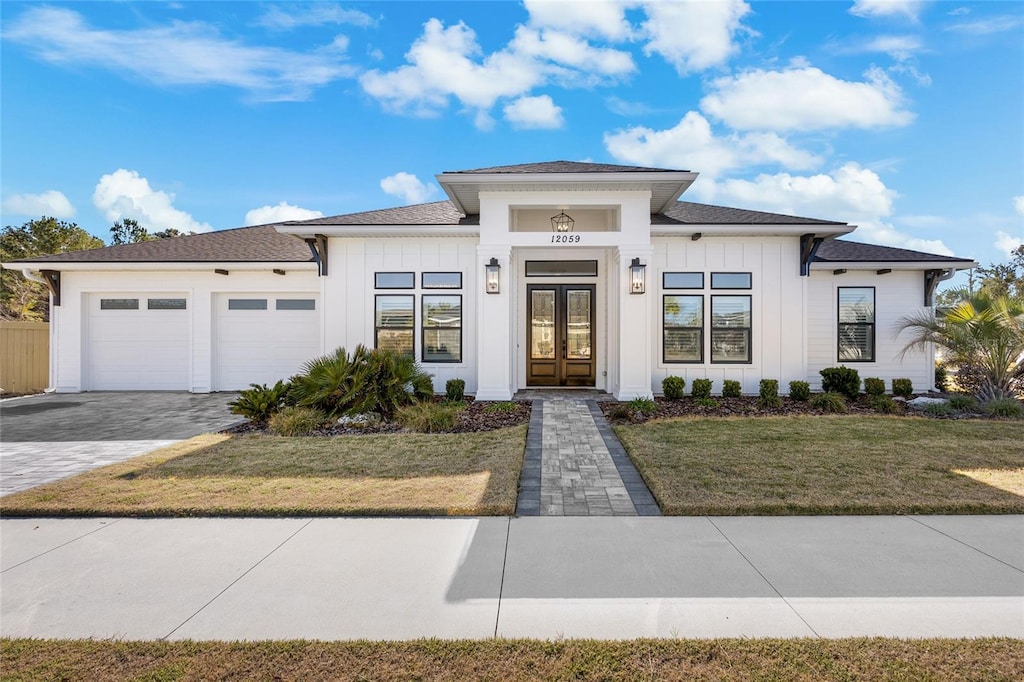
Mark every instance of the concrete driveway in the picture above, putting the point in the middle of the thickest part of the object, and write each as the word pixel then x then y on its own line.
pixel 44 438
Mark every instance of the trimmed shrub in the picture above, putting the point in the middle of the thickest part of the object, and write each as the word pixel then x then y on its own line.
pixel 938 410
pixel 378 381
pixel 701 388
pixel 296 421
pixel 1005 407
pixel 941 377
pixel 829 402
pixel 643 405
pixel 874 386
pixel 799 390
pixel 884 404
pixel 426 416
pixel 673 388
pixel 844 380
pixel 259 403
pixel 455 390
pixel 963 403
pixel 903 387
pixel 731 389
pixel 768 396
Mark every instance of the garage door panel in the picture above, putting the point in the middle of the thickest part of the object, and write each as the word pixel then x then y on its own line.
pixel 136 349
pixel 265 345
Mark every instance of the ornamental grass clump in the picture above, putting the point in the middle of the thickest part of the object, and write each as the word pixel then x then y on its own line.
pixel 426 416
pixel 768 396
pixel 731 389
pixel 1005 407
pixel 883 404
pixel 799 390
pixel 673 387
pixel 701 388
pixel 296 421
pixel 643 405
pixel 829 402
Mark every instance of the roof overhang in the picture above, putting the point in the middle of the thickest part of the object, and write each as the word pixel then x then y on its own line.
pixel 463 189
pixel 826 231
pixel 894 265
pixel 370 231
pixel 161 266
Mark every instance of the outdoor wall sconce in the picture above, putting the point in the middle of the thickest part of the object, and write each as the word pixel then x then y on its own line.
pixel 636 277
pixel 492 279
pixel 695 236
pixel 839 271
pixel 562 223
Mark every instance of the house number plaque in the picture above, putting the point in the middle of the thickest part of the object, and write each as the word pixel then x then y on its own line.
pixel 565 239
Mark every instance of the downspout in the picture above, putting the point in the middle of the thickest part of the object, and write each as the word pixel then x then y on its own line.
pixel 33 277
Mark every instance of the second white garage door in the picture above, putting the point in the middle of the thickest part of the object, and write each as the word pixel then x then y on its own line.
pixel 259 338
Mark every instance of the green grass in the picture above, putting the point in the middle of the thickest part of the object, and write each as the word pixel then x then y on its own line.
pixel 830 465
pixel 504 660
pixel 216 475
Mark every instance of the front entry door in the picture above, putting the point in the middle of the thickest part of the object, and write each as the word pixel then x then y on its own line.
pixel 560 336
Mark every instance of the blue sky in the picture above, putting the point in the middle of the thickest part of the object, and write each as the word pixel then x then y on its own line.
pixel 903 117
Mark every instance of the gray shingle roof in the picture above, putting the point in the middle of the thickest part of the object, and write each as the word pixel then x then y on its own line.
pixel 261 243
pixel 842 251
pixel 689 213
pixel 435 213
pixel 565 167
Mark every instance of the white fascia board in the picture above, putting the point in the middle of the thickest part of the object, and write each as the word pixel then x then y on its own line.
pixel 162 266
pixel 403 231
pixel 750 230
pixel 894 265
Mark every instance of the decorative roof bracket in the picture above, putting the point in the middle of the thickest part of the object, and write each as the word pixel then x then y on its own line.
pixel 52 278
pixel 931 283
pixel 808 249
pixel 318 247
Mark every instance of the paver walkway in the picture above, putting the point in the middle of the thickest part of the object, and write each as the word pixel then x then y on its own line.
pixel 575 466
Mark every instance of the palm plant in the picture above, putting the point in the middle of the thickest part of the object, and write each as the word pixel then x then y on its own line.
pixel 982 331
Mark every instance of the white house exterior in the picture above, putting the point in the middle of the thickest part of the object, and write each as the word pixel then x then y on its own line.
pixel 726 293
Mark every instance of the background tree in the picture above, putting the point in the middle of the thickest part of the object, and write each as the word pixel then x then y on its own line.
pixel 129 231
pixel 22 299
pixel 996 281
pixel 170 232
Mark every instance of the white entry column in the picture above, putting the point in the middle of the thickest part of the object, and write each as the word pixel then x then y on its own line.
pixel 635 327
pixel 495 335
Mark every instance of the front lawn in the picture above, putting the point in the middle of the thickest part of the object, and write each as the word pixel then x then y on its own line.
pixel 509 660
pixel 247 475
pixel 830 465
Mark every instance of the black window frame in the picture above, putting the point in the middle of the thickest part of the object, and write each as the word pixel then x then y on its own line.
pixel 665 284
pixel 433 287
pixel 873 325
pixel 424 328
pixel 664 327
pixel 411 327
pixel 411 274
pixel 750 281
pixel 749 330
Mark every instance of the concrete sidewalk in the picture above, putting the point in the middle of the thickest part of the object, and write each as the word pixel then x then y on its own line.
pixel 610 577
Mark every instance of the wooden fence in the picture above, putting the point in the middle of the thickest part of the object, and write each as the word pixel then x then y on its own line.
pixel 24 356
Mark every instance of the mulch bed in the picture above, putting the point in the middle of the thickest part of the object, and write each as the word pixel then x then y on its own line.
pixel 475 417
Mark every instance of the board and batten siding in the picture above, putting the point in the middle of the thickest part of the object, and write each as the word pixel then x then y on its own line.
pixel 69 321
pixel 777 298
pixel 349 293
pixel 897 294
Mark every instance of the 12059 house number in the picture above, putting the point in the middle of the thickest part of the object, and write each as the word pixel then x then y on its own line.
pixel 565 239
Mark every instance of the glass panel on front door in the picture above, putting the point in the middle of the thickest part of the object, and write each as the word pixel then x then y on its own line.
pixel 561 338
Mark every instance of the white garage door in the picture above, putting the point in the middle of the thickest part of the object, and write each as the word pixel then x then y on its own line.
pixel 137 341
pixel 260 338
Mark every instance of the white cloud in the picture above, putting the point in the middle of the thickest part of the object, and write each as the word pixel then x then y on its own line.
pixel 692 144
pixel 534 112
pixel 126 194
pixel 565 49
pixel 1006 243
pixel 180 53
pixel 407 187
pixel 50 203
pixel 264 215
pixel 959 11
pixel 599 18
pixel 693 36
pixel 1018 205
pixel 622 107
pixel 313 14
pixel 984 27
pixel 849 194
pixel 887 8
pixel 805 98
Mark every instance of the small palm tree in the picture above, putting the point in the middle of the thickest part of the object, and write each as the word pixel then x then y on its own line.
pixel 981 331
